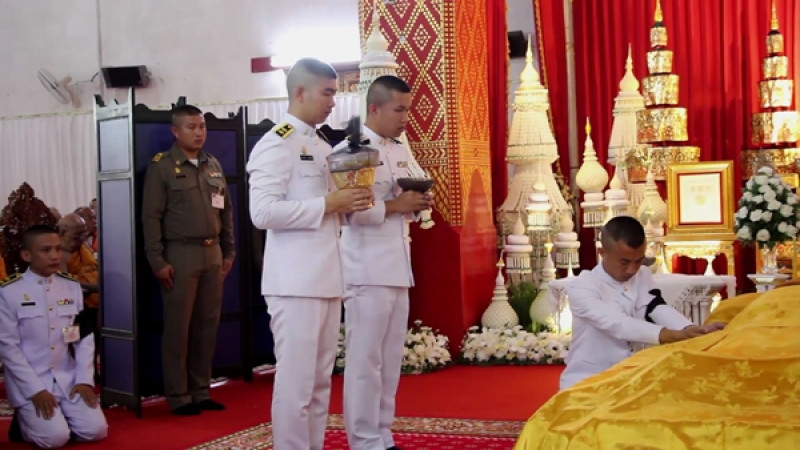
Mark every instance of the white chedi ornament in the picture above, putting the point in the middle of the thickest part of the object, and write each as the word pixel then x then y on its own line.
pixel 518 250
pixel 541 311
pixel 653 206
pixel 566 242
pixel 539 208
pixel 499 314
pixel 591 177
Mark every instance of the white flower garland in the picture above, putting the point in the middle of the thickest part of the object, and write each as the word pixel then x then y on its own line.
pixel 425 350
pixel 768 210
pixel 513 346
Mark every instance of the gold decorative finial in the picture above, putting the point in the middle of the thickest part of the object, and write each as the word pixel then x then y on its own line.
pixel 658 17
pixel 774 21
pixel 588 126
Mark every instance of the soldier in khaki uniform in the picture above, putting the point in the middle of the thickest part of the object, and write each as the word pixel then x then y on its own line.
pixel 188 233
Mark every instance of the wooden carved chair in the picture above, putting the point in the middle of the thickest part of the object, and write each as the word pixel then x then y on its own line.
pixel 22 211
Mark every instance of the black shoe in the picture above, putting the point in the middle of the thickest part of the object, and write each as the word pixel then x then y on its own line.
pixel 189 409
pixel 209 405
pixel 14 431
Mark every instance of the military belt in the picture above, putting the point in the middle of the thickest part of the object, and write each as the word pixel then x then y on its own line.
pixel 205 242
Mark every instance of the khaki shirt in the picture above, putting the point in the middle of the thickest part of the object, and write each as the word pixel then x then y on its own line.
pixel 177 204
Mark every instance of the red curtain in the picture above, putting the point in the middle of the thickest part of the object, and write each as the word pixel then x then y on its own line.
pixel 552 44
pixel 498 98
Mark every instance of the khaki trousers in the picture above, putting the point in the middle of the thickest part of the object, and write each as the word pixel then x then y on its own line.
pixel 192 310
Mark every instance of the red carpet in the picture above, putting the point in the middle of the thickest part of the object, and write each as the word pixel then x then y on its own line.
pixel 468 392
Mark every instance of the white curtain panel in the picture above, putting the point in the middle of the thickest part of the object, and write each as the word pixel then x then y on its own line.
pixel 56 154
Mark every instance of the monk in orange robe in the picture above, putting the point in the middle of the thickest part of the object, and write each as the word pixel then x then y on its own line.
pixel 78 258
pixel 3 274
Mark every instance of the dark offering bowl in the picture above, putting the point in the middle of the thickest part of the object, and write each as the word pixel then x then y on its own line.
pixel 421 185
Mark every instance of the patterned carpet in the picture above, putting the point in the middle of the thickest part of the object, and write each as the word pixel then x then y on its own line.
pixel 412 433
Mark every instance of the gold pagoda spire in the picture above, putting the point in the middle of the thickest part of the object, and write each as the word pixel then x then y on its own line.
pixel 658 32
pixel 658 17
pixel 773 24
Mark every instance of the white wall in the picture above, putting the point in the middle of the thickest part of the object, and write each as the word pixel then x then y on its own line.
pixel 199 48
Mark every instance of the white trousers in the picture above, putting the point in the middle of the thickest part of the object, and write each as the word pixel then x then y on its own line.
pixel 376 320
pixel 306 332
pixel 71 416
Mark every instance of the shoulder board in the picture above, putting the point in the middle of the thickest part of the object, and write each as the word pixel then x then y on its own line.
pixel 158 157
pixel 284 130
pixel 68 276
pixel 10 279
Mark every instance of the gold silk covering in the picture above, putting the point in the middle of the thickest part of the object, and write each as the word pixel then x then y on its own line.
pixel 738 388
pixel 775 67
pixel 775 93
pixel 774 43
pixel 661 89
pixel 659 61
pixel 662 124
pixel 775 127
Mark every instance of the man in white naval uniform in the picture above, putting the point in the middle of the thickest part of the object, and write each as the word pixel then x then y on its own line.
pixel 291 197
pixel 617 304
pixel 49 369
pixel 377 274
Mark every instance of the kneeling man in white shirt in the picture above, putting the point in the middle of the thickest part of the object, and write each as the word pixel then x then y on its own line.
pixel 617 304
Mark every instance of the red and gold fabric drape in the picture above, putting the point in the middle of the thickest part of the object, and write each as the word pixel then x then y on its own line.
pixel 498 98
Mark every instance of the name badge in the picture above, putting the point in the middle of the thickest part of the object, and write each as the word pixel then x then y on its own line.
pixel 218 201
pixel 71 333
pixel 306 157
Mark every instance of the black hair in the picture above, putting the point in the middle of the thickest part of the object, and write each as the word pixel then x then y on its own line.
pixel 622 228
pixel 382 89
pixel 33 232
pixel 183 111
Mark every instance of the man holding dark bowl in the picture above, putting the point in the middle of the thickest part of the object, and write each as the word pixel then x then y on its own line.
pixel 376 264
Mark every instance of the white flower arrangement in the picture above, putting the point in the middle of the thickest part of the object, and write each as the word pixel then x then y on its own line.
pixel 513 346
pixel 768 211
pixel 425 350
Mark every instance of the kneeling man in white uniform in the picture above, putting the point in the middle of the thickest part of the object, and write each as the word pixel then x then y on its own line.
pixel 48 362
pixel 617 304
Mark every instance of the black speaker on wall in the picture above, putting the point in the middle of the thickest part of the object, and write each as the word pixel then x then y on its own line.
pixel 517 44
pixel 126 76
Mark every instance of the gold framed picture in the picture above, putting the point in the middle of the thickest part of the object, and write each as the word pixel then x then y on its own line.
pixel 700 199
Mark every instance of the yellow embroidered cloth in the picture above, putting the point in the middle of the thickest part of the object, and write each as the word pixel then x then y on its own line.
pixel 738 388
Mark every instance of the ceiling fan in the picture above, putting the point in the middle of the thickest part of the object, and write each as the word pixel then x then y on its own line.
pixel 60 90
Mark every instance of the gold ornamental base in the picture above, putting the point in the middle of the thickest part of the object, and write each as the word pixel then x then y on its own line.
pixel 661 158
pixel 666 124
pixel 775 127
pixel 661 89
pixel 775 67
pixel 352 179
pixel 776 93
pixel 782 159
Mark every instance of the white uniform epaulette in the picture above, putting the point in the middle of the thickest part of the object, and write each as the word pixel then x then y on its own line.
pixel 10 279
pixel 68 276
